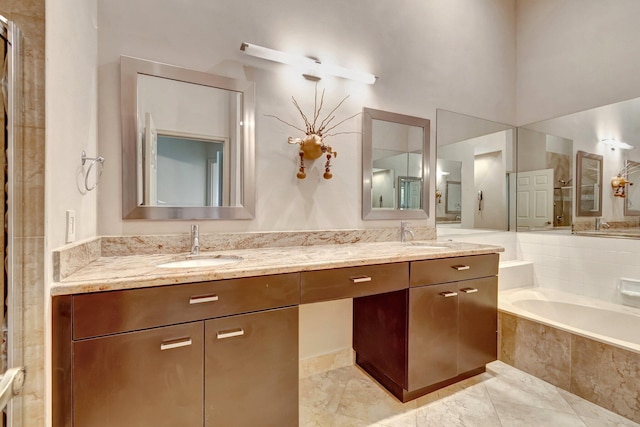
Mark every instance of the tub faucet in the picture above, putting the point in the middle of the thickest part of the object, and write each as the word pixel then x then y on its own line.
pixel 404 229
pixel 195 240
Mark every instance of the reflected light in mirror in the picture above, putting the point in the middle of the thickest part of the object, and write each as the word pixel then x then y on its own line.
pixel 614 143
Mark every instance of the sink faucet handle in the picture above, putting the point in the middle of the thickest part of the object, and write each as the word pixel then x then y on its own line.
pixel 195 239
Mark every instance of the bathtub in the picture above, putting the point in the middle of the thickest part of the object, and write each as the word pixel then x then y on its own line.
pixel 601 321
pixel 588 347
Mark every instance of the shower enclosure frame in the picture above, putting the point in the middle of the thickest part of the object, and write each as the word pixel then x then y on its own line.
pixel 10 35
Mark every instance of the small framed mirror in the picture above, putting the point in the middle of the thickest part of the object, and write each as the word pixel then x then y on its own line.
pixel 453 197
pixel 632 190
pixel 589 184
pixel 395 166
pixel 187 143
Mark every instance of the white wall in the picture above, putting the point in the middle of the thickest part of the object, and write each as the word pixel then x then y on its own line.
pixel 71 117
pixel 71 126
pixel 457 55
pixel 574 55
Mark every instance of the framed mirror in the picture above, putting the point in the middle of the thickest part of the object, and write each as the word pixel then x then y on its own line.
pixel 453 197
pixel 632 189
pixel 395 166
pixel 589 184
pixel 187 143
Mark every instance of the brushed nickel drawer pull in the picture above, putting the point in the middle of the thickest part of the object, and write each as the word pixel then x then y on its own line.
pixel 360 279
pixel 229 333
pixel 448 294
pixel 180 342
pixel 461 267
pixel 202 299
pixel 469 290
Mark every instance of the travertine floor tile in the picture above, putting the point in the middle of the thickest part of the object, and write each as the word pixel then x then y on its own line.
pixel 501 397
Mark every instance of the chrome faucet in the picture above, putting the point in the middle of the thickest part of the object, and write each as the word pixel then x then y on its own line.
pixel 404 229
pixel 195 240
pixel 601 224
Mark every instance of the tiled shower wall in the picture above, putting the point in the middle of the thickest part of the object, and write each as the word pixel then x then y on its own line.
pixel 28 209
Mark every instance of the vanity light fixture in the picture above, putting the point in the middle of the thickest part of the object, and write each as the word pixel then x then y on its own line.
pixel 313 68
pixel 614 143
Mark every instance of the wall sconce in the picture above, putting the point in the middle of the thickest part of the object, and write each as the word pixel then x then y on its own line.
pixel 614 143
pixel 313 68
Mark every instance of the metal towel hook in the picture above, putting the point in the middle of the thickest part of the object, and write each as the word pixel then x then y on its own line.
pixel 93 161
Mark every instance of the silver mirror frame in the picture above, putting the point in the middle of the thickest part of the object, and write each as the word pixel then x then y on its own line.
pixel 368 213
pixel 130 68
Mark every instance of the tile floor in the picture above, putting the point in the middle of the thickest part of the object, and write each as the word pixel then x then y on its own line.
pixel 503 397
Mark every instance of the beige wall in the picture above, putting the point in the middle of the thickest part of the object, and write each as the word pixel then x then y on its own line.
pixel 574 55
pixel 458 55
pixel 28 219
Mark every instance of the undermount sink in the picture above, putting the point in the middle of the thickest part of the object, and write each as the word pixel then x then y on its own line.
pixel 201 261
pixel 427 245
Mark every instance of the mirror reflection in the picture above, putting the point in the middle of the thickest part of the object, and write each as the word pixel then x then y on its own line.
pixel 590 131
pixel 589 184
pixel 475 164
pixel 187 143
pixel 544 183
pixel 632 188
pixel 395 152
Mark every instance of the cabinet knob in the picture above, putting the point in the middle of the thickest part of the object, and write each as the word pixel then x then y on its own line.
pixel 180 342
pixel 461 267
pixel 360 279
pixel 469 290
pixel 448 294
pixel 229 333
pixel 202 299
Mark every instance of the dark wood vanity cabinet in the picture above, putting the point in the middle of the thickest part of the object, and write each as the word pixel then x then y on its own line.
pixel 143 378
pixel 439 331
pixel 251 375
pixel 222 353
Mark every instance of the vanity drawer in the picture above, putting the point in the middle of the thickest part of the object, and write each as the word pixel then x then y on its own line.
pixel 119 311
pixel 445 270
pixel 352 282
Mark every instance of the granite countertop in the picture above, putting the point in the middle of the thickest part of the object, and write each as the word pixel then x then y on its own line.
pixel 138 271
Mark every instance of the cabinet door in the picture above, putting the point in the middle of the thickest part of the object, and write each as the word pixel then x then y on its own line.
pixel 478 323
pixel 251 369
pixel 147 378
pixel 433 334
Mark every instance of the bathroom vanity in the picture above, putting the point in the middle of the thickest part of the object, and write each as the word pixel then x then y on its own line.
pixel 219 346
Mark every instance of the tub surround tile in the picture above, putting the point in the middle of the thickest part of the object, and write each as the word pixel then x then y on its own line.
pixel 600 373
pixel 606 375
pixel 537 349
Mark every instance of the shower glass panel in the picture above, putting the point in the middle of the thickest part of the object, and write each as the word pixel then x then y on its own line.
pixel 11 360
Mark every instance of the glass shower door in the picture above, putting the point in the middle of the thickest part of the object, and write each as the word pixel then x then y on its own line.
pixel 11 370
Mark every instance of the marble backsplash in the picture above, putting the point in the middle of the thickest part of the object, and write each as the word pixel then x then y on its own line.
pixel 69 259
